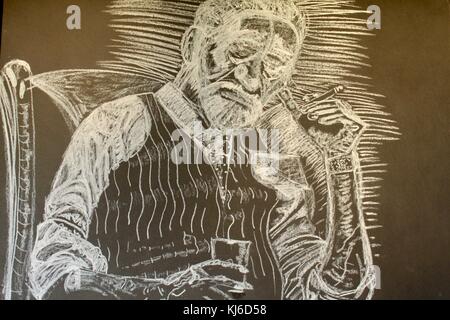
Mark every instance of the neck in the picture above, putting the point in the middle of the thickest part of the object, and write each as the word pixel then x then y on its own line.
pixel 183 81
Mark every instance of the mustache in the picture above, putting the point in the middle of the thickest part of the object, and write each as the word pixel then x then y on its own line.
pixel 228 104
pixel 231 91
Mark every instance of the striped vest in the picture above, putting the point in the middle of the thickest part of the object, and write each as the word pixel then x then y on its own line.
pixel 157 217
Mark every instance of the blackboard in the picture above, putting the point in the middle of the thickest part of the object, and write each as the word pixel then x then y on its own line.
pixel 409 58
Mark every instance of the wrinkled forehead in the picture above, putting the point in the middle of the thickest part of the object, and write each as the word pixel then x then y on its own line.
pixel 264 22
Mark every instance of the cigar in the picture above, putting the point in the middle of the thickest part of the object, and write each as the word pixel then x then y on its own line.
pixel 327 95
pixel 289 102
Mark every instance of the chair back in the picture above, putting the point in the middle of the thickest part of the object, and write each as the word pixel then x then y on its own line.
pixel 16 116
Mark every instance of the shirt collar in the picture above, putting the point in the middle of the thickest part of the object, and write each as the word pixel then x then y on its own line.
pixel 186 116
pixel 182 111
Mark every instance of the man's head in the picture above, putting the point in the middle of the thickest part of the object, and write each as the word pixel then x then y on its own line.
pixel 238 54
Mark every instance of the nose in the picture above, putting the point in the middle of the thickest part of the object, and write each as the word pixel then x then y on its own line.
pixel 249 76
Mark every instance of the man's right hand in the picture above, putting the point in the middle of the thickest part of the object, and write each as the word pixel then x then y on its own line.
pixel 206 281
pixel 200 281
pixel 111 286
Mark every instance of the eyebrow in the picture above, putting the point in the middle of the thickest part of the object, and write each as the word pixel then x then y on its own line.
pixel 274 50
pixel 280 53
pixel 233 17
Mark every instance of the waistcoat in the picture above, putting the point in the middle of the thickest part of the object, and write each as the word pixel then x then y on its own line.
pixel 158 217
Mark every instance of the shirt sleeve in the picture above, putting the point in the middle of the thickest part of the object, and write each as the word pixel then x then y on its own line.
pixel 111 134
pixel 300 252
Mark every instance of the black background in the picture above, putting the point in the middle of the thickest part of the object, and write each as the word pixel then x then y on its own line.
pixel 411 66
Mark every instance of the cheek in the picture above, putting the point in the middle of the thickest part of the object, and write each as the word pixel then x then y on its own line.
pixel 273 86
pixel 199 73
pixel 215 61
pixel 270 89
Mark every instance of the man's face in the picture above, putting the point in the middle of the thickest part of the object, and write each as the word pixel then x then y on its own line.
pixel 242 64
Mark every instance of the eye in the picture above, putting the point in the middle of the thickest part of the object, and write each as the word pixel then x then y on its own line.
pixel 273 67
pixel 210 61
pixel 274 61
pixel 242 50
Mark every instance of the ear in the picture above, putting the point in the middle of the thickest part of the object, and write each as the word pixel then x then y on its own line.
pixel 303 27
pixel 190 43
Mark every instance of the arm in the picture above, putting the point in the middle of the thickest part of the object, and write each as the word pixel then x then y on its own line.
pixel 110 135
pixel 346 267
pixel 62 259
pixel 337 265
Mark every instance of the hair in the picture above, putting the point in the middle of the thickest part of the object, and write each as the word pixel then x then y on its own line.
pixel 212 12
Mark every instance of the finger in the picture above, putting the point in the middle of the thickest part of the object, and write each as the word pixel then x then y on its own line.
pixel 106 293
pixel 313 116
pixel 344 104
pixel 224 282
pixel 200 272
pixel 327 111
pixel 311 107
pixel 176 293
pixel 310 96
pixel 235 266
pixel 222 294
pixel 179 277
pixel 332 119
pixel 230 283
pixel 115 288
pixel 224 264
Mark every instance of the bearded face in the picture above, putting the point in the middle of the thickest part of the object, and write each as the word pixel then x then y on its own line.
pixel 241 65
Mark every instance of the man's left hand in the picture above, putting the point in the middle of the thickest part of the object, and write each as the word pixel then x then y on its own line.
pixel 333 126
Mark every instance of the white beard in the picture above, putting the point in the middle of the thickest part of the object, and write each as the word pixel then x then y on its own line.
pixel 227 112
